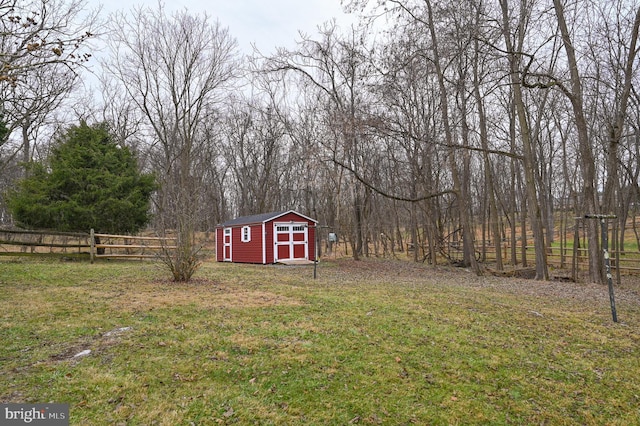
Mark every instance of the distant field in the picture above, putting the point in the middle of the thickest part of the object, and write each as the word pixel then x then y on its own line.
pixel 371 342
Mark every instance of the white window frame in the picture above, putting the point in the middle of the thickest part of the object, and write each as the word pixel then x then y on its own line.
pixel 245 236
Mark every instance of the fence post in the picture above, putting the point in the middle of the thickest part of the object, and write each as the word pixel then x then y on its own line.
pixel 92 244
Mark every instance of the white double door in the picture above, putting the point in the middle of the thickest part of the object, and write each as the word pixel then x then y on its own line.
pixel 291 241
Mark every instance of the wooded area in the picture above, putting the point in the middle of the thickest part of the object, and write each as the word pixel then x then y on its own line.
pixel 426 122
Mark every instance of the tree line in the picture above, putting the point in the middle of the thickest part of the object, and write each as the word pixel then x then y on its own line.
pixel 427 120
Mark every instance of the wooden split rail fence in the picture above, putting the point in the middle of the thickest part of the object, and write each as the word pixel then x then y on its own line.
pixel 17 242
pixel 22 242
pixel 128 246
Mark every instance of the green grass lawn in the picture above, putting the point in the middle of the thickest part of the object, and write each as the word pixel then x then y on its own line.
pixel 374 342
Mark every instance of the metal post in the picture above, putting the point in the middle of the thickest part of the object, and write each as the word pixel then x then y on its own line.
pixel 317 238
pixel 607 260
pixel 315 256
pixel 576 244
pixel 618 249
pixel 607 266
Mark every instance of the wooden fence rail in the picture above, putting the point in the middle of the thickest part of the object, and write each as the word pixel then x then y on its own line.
pixel 109 246
pixel 19 241
pixel 627 261
pixel 16 242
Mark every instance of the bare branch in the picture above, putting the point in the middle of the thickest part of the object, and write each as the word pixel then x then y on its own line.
pixel 386 194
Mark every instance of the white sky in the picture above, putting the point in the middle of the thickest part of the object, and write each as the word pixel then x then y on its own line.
pixel 267 23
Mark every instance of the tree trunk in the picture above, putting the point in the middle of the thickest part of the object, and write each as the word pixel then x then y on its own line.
pixel 464 212
pixel 535 215
pixel 490 188
pixel 587 159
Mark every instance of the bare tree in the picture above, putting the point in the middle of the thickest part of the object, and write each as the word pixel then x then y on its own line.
pixel 515 47
pixel 177 70
pixel 612 51
pixel 334 65
pixel 42 45
pixel 38 33
pixel 255 151
pixel 41 92
pixel 479 63
pixel 575 94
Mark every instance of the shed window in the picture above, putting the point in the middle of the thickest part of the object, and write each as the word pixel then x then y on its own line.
pixel 246 234
pixel 298 228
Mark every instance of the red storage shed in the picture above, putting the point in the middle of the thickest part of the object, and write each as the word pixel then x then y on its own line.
pixel 267 238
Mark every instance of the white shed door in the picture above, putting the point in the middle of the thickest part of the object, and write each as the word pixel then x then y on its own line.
pixel 290 240
pixel 227 245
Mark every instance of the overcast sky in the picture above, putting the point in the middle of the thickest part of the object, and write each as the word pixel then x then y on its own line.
pixel 267 23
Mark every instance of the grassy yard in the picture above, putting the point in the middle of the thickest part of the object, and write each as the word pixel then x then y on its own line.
pixel 372 342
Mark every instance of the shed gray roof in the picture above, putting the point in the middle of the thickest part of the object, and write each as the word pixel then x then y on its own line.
pixel 259 218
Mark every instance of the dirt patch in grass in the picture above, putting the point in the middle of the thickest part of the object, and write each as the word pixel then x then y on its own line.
pixel 200 293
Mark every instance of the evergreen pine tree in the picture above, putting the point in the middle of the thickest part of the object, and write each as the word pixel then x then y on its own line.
pixel 89 182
